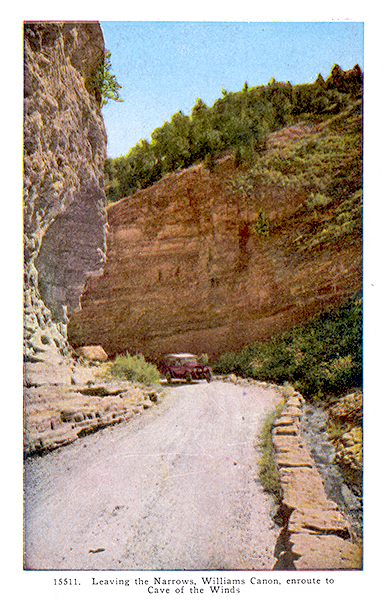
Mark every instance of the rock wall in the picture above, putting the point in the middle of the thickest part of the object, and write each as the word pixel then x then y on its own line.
pixel 315 535
pixel 186 271
pixel 64 152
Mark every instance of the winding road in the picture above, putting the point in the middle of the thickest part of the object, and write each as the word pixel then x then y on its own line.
pixel 174 488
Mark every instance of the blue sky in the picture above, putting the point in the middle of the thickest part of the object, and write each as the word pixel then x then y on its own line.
pixel 164 67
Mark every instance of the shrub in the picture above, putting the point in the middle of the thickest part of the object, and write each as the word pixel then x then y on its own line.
pixel 316 201
pixel 323 355
pixel 336 430
pixel 203 359
pixel 261 224
pixel 338 373
pixel 209 162
pixel 134 368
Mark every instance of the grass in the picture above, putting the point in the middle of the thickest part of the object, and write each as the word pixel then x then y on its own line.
pixel 268 474
pixel 323 169
pixel 133 368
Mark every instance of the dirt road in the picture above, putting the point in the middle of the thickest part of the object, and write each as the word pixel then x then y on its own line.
pixel 173 489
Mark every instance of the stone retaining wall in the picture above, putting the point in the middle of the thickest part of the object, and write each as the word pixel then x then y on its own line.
pixel 314 535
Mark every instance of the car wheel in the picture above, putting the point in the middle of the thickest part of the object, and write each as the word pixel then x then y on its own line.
pixel 208 377
pixel 188 378
pixel 168 377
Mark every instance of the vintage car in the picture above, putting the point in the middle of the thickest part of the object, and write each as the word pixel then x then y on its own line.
pixel 184 366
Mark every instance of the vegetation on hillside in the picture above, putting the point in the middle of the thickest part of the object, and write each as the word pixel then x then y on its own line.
pixel 323 169
pixel 238 122
pixel 319 357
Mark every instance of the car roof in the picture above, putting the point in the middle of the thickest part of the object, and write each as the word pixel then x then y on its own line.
pixel 180 355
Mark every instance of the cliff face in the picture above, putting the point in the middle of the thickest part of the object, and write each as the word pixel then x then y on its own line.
pixel 64 151
pixel 186 270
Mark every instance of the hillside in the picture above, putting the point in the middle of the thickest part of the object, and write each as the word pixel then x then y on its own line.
pixel 238 122
pixel 229 252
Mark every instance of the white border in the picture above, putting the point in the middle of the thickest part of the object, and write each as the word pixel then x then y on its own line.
pixel 355 585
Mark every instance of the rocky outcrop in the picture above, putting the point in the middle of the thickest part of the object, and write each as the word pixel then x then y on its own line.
pixel 80 403
pixel 345 432
pixel 315 535
pixel 64 152
pixel 187 269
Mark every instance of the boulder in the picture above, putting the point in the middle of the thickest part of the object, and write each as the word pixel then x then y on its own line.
pixel 92 353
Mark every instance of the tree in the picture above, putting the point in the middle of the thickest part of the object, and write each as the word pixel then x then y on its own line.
pixel 170 143
pixel 105 83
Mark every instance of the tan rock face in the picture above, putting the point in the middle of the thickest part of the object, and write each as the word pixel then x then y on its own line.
pixel 187 272
pixel 64 151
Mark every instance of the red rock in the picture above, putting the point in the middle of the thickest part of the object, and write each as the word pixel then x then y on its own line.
pixel 185 270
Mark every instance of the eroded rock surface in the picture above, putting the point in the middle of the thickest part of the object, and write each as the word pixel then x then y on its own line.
pixel 64 151
pixel 186 270
pixel 345 431
pixel 81 402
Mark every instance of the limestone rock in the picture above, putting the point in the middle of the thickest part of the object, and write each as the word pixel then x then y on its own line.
pixel 92 353
pixel 64 202
pixel 345 416
pixel 286 430
pixel 315 531
pixel 282 443
pixel 284 420
pixel 301 458
pixel 302 488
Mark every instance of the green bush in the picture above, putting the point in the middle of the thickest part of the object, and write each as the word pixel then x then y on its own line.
pixel 104 82
pixel 321 356
pixel 134 368
pixel 261 224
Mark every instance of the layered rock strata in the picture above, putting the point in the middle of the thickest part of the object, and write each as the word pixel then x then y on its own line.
pixel 57 415
pixel 315 535
pixel 64 214
pixel 186 270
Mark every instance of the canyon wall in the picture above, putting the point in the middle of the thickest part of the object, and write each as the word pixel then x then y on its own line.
pixel 64 202
pixel 187 271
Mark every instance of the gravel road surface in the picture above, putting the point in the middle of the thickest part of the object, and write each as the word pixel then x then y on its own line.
pixel 173 489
